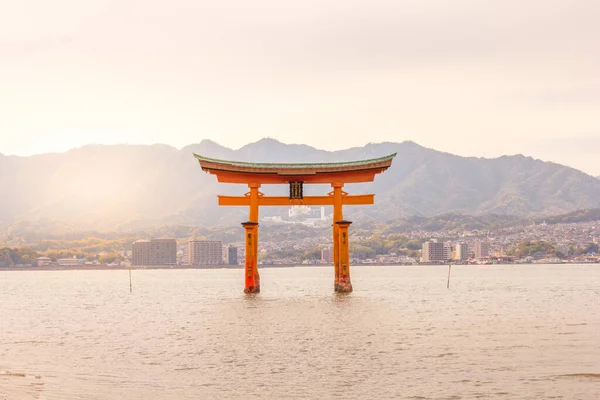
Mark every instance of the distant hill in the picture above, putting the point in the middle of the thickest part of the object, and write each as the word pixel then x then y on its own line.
pixel 126 187
pixel 451 221
pixel 572 217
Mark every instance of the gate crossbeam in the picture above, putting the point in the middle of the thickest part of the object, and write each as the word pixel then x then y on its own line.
pixel 285 201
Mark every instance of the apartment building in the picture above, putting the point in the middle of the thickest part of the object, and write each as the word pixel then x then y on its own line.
pixel 154 252
pixel 434 251
pixel 205 252
pixel 233 256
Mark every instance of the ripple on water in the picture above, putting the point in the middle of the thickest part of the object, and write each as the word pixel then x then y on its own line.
pixel 20 386
pixel 589 376
pixel 401 334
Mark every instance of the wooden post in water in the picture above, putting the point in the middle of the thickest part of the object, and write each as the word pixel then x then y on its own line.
pixel 449 268
pixel 130 287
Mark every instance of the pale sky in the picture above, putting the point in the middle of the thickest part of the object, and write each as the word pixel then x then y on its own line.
pixel 470 77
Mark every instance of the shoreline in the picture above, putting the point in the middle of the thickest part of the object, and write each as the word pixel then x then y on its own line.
pixel 155 267
pixel 150 267
pixel 225 266
pixel 114 268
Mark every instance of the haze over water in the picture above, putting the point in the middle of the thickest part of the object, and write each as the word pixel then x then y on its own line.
pixel 506 332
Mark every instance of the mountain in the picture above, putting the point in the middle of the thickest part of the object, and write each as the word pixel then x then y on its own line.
pixel 127 187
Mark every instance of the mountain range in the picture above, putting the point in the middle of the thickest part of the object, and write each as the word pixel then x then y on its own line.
pixel 125 187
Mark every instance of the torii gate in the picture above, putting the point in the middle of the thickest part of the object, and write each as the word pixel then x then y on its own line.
pixel 296 175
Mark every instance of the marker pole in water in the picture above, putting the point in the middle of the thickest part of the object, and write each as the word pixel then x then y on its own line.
pixel 449 268
pixel 130 288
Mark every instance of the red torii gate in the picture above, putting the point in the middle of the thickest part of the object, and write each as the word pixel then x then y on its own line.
pixel 296 175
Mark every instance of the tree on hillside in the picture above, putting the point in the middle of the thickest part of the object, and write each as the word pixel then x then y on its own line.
pixel 27 255
pixel 590 248
pixel 311 255
pixel 108 258
pixel 56 254
pixel 529 247
pixel 9 257
pixel 360 251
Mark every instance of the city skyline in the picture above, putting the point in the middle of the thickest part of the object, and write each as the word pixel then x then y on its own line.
pixel 472 79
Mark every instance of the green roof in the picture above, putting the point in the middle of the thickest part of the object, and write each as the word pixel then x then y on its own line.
pixel 297 165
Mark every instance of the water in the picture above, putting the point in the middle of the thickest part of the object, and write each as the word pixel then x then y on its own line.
pixel 503 332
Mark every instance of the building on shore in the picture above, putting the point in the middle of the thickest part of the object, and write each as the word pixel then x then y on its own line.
pixel 70 262
pixel 449 251
pixel 127 251
pixel 326 256
pixel 462 252
pixel 434 252
pixel 154 252
pixel 43 261
pixel 205 252
pixel 481 250
pixel 232 252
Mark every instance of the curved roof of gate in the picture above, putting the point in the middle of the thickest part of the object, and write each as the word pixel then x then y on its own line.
pixel 342 172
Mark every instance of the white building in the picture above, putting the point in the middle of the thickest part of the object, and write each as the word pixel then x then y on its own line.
pixel 69 262
pixel 296 211
pixel 308 212
pixel 43 261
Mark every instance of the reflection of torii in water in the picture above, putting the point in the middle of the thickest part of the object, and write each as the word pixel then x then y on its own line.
pixel 296 175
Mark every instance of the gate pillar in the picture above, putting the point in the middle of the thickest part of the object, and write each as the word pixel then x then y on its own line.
pixel 344 283
pixel 337 216
pixel 252 280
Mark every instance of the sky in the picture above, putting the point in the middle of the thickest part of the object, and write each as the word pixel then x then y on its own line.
pixel 470 77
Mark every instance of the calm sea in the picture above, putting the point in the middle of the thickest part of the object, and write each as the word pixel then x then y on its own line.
pixel 501 332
